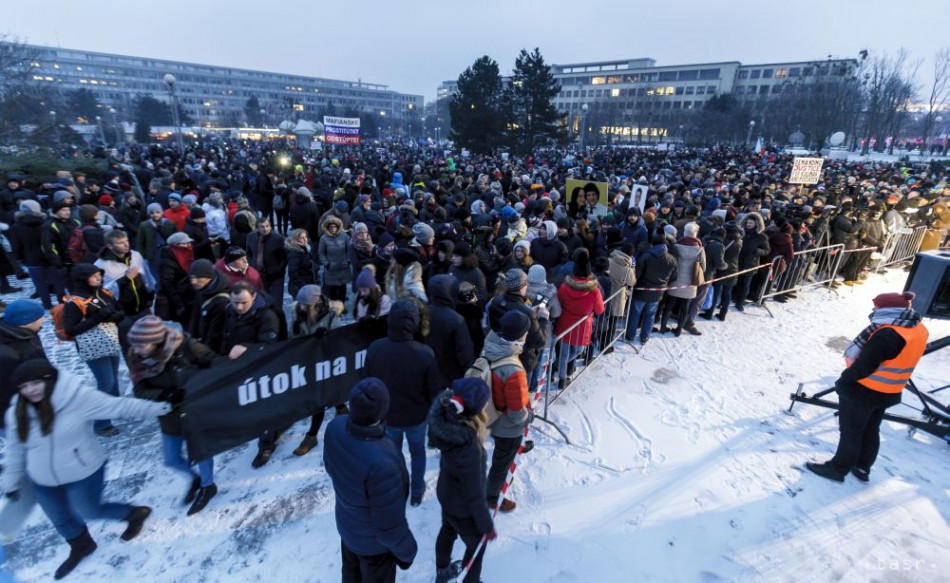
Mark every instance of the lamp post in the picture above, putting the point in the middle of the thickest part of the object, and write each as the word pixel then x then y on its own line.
pixel 263 117
pixel 169 80
pixel 584 109
pixel 748 138
pixel 115 126
pixel 52 115
pixel 102 133
pixel 437 137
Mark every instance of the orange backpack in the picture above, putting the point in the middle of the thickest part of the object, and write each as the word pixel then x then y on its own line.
pixel 56 314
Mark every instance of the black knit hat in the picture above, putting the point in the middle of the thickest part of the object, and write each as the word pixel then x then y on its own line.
pixel 582 263
pixel 33 370
pixel 202 268
pixel 369 401
pixel 514 325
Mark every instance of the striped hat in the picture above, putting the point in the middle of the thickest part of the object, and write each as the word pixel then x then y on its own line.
pixel 148 330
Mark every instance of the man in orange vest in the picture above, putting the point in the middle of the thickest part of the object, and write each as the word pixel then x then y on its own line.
pixel 880 362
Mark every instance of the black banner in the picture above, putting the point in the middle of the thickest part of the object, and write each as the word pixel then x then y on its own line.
pixel 269 387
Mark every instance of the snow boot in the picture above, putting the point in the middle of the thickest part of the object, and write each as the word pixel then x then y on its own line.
pixel 450 573
pixel 528 446
pixel 826 470
pixel 691 328
pixel 507 505
pixel 308 443
pixel 79 548
pixel 136 520
pixel 262 457
pixel 416 500
pixel 706 315
pixel 192 490
pixel 205 494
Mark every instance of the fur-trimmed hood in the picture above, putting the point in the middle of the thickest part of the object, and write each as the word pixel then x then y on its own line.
pixel 448 429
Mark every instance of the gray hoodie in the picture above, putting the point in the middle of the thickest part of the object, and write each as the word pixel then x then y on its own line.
pixel 510 390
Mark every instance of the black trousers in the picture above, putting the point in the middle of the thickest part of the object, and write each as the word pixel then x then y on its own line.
pixel 506 448
pixel 367 568
pixel 454 527
pixel 860 440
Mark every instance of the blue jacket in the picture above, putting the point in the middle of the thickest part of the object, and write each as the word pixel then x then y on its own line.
pixel 371 485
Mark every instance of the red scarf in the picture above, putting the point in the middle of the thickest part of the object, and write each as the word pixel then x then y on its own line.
pixel 184 256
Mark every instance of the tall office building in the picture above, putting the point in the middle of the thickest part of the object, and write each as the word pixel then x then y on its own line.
pixel 217 96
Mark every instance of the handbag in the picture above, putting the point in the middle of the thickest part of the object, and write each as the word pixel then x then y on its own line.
pixel 699 278
pixel 99 342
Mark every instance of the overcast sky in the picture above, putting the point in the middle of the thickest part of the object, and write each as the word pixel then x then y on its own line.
pixel 413 45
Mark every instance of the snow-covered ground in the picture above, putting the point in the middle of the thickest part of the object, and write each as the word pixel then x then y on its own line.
pixel 682 466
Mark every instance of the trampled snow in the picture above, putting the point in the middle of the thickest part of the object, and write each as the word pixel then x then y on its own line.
pixel 682 466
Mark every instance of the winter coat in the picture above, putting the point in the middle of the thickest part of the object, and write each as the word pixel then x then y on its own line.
pixel 689 252
pixel 175 286
pixel 537 338
pixel 635 234
pixel 17 345
pixel 622 277
pixel 178 215
pixel 274 261
pixel 327 318
pixel 100 311
pixel 333 252
pixel 462 464
pixel 152 237
pixel 549 251
pixel 258 326
pixel 580 299
pixel 26 238
pixel 469 272
pixel 71 451
pixel 201 243
pixel 733 247
pixel 448 335
pixel 407 367
pixel 216 221
pixel 843 231
pixel 755 244
pixel 130 217
pixel 305 214
pixel 209 313
pixel 715 256
pixel 132 295
pixel 655 268
pixel 509 389
pixel 299 269
pixel 780 244
pixel 168 385
pixel 251 275
pixel 54 240
pixel 371 485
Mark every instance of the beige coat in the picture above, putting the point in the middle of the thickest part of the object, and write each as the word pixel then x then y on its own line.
pixel 622 277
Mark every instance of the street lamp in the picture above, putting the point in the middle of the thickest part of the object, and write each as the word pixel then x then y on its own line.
pixel 115 126
pixel 584 109
pixel 263 119
pixel 437 130
pixel 102 133
pixel 169 80
pixel 52 115
pixel 748 138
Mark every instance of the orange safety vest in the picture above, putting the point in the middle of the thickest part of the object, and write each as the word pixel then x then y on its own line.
pixel 892 375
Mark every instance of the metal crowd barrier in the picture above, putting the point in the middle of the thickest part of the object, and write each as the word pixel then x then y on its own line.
pixel 901 246
pixel 607 330
pixel 810 268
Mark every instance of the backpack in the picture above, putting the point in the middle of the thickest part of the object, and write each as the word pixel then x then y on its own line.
pixel 56 314
pixel 77 248
pixel 482 369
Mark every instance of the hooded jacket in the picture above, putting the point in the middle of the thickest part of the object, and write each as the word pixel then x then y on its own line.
pixel 448 335
pixel 333 252
pixel 26 237
pixel 755 243
pixel 462 463
pixel 406 366
pixel 509 390
pixel 17 345
pixel 622 278
pixel 580 301
pixel 689 252
pixel 209 313
pixel 549 251
pixel 71 451
pixel 655 269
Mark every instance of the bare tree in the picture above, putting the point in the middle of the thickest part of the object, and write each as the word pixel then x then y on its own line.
pixel 889 88
pixel 939 94
pixel 15 62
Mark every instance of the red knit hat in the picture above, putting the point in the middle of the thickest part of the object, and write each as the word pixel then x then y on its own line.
pixel 894 300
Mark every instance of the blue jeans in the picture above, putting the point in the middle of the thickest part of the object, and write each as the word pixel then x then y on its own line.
pixel 745 285
pixel 106 371
pixel 171 449
pixel 534 377
pixel 68 505
pixel 646 310
pixel 416 436
pixel 566 354
pixel 722 295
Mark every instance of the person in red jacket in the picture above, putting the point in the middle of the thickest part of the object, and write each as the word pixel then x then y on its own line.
pixel 580 300
pixel 176 211
pixel 880 362
pixel 235 267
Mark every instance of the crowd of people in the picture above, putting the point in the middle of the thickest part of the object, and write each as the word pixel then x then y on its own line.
pixel 171 260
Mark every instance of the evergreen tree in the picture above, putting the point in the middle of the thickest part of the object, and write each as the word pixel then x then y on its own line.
pixel 478 110
pixel 252 109
pixel 143 131
pixel 533 89
pixel 81 103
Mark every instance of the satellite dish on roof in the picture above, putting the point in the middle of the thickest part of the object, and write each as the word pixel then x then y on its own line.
pixel 836 139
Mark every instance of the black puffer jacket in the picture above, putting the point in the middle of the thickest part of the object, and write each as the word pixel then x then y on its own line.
pixel 462 471
pixel 209 313
pixel 17 345
pixel 448 335
pixel 258 326
pixel 655 268
pixel 273 265
pixel 755 243
pixel 407 367
pixel 733 246
pixel 26 237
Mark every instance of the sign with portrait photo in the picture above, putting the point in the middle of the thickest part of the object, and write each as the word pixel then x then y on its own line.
pixel 586 198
